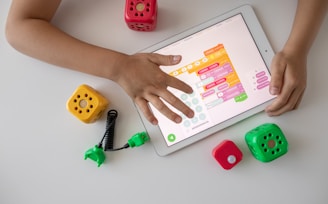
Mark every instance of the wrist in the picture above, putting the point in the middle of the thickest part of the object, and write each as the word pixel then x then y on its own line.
pixel 295 49
pixel 112 64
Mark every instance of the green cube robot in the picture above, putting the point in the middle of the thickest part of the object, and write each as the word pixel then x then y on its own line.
pixel 266 142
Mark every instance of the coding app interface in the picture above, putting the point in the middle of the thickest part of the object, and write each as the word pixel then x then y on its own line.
pixel 226 71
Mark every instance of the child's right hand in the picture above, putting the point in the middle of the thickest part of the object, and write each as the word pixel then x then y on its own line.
pixel 142 79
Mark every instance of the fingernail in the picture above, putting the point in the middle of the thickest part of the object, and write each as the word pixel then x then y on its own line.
pixel 274 91
pixel 154 122
pixel 176 58
pixel 178 120
pixel 190 114
pixel 269 113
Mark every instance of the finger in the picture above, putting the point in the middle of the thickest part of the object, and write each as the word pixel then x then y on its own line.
pixel 277 104
pixel 278 107
pixel 177 103
pixel 281 100
pixel 143 105
pixel 165 60
pixel 163 109
pixel 278 67
pixel 178 84
pixel 299 101
pixel 291 104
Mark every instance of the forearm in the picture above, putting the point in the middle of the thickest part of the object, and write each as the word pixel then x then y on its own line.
pixel 37 38
pixel 288 67
pixel 307 22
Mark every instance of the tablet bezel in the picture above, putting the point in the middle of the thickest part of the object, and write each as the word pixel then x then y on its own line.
pixel 265 50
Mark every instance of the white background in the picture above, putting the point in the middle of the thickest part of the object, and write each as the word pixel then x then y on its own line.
pixel 42 144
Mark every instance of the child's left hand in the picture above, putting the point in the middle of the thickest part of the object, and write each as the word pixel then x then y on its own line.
pixel 288 82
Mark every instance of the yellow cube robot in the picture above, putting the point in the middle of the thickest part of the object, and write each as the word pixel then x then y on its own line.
pixel 87 104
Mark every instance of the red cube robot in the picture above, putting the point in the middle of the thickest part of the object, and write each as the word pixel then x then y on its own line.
pixel 141 15
pixel 227 154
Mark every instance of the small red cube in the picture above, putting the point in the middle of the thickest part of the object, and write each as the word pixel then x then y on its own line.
pixel 141 15
pixel 227 154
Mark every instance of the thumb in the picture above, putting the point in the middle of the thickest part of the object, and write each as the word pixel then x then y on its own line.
pixel 277 74
pixel 165 60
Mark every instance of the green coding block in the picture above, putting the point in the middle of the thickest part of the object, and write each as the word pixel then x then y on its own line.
pixel 266 142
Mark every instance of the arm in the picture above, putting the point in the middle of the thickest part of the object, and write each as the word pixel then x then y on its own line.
pixel 288 67
pixel 29 31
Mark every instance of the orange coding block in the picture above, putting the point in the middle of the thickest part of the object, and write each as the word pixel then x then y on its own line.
pixel 87 104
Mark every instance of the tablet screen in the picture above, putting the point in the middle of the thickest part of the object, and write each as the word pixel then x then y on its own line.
pixel 226 71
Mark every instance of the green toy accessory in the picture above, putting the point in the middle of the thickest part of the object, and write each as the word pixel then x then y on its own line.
pixel 96 154
pixel 107 142
pixel 138 139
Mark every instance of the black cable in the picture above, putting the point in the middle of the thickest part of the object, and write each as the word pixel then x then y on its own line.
pixel 108 139
pixel 107 142
pixel 124 147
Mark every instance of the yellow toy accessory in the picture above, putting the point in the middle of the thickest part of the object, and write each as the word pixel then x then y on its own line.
pixel 87 104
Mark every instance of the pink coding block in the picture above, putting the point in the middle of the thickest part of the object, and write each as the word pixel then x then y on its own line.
pixel 227 154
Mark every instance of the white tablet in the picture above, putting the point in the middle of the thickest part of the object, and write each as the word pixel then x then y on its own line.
pixel 225 60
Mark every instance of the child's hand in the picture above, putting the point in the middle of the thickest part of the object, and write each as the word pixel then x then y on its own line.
pixel 288 82
pixel 140 76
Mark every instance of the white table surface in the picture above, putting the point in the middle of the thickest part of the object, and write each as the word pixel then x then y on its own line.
pixel 42 145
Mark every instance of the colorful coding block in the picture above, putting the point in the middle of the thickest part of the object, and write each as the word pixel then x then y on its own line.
pixel 266 142
pixel 86 104
pixel 227 154
pixel 218 79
